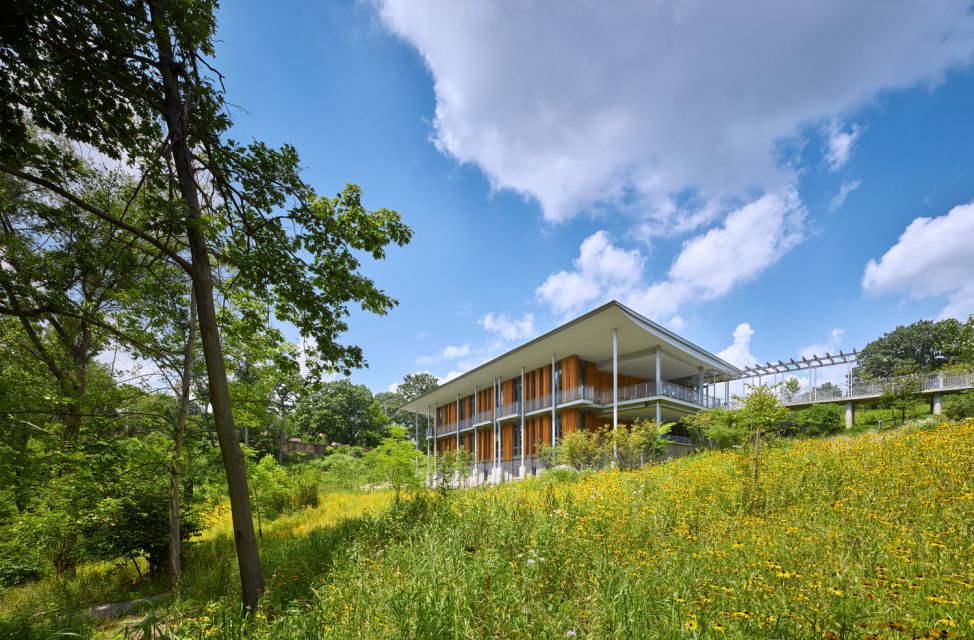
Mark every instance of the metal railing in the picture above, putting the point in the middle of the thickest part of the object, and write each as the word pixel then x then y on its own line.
pixel 509 409
pixel 666 389
pixel 483 416
pixel 930 382
pixel 678 439
pixel 534 404
pixel 573 394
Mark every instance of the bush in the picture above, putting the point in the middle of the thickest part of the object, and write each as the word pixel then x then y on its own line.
pixel 959 405
pixel 818 420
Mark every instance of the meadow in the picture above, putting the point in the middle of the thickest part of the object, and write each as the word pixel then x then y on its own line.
pixel 866 536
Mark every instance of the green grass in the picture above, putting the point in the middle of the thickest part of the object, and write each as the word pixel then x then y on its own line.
pixel 849 537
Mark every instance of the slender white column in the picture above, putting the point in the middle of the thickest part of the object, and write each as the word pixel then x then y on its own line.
pixel 553 398
pixel 700 385
pixel 659 370
pixel 615 380
pixel 659 414
pixel 938 405
pixel 473 423
pixel 849 415
pixel 429 479
pixel 436 428
pixel 523 470
pixel 726 392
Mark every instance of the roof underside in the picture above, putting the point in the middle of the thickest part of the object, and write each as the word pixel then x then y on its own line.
pixel 590 338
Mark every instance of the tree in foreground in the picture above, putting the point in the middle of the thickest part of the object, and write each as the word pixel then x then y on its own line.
pixel 135 82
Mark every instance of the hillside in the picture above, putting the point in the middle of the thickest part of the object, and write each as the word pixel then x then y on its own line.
pixel 850 537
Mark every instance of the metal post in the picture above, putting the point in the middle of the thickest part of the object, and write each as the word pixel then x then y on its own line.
pixel 726 392
pixel 457 450
pixel 436 428
pixel 700 386
pixel 473 423
pixel 495 457
pixel 615 380
pixel 553 399
pixel 849 414
pixel 523 470
pixel 659 370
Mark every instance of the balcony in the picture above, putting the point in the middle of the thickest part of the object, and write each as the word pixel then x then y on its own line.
pixel 581 392
pixel 509 410
pixel 666 389
pixel 536 404
pixel 483 417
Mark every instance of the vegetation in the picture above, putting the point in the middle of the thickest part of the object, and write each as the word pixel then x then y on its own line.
pixel 923 346
pixel 845 537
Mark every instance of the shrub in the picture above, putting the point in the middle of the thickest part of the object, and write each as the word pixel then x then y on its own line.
pixel 818 420
pixel 960 405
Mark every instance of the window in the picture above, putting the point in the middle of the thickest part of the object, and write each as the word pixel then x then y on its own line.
pixel 517 390
pixel 581 371
pixel 517 440
pixel 556 384
pixel 581 420
pixel 557 428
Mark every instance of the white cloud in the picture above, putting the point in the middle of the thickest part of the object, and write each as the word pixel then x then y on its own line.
pixel 839 144
pixel 844 190
pixel 748 241
pixel 738 352
pixel 931 259
pixel 509 328
pixel 450 352
pixel 830 345
pixel 667 109
pixel 602 271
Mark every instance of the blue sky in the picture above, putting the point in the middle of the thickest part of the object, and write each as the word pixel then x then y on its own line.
pixel 686 162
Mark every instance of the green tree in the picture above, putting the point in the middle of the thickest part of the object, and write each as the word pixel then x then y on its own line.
pixel 901 393
pixel 718 427
pixel 763 412
pixel 818 419
pixel 395 461
pixel 341 412
pixel 923 346
pixel 634 445
pixel 581 449
pixel 135 81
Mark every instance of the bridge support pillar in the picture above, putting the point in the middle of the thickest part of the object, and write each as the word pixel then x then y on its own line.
pixel 936 404
pixel 850 413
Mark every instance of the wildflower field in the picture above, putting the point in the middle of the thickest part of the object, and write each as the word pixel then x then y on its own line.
pixel 850 537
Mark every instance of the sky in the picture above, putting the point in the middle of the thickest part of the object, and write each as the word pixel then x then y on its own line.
pixel 767 179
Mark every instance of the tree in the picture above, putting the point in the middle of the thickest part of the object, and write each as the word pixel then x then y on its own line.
pixel 818 419
pixel 718 427
pixel 635 444
pixel 393 462
pixel 922 346
pixel 340 412
pixel 135 81
pixel 900 393
pixel 762 411
pixel 413 385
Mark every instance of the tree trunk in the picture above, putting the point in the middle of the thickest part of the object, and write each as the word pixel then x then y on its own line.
pixel 248 559
pixel 177 449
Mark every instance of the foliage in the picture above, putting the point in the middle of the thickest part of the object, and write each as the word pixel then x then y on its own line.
pixel 395 462
pixel 413 386
pixel 900 393
pixel 581 449
pixel 718 427
pixel 818 419
pixel 340 412
pixel 634 445
pixel 922 346
pixel 454 467
pixel 959 405
pixel 669 548
pixel 277 490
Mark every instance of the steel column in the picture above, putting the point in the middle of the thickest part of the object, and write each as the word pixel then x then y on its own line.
pixel 553 397
pixel 522 471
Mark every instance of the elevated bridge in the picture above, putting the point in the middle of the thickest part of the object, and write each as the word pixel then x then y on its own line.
pixel 849 391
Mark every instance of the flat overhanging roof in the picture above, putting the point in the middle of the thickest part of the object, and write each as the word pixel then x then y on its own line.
pixel 590 337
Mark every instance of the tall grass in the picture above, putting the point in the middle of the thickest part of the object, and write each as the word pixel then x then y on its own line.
pixel 852 537
pixel 865 537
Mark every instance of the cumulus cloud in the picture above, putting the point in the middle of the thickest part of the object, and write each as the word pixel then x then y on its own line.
pixel 662 108
pixel 509 328
pixel 708 266
pixel 931 259
pixel 448 353
pixel 830 345
pixel 738 352
pixel 839 143
pixel 844 190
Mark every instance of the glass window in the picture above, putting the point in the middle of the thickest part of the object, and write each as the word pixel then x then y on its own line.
pixel 557 428
pixel 517 440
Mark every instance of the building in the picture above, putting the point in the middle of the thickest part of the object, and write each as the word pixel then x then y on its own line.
pixel 605 368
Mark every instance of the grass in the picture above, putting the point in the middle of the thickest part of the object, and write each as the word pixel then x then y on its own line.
pixel 850 537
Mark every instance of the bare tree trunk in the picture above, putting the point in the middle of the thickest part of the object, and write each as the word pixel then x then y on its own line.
pixel 177 450
pixel 248 558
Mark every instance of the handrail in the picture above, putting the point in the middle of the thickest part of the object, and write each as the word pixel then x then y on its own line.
pixel 942 381
pixel 665 388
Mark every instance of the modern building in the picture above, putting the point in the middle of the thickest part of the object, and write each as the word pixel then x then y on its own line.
pixel 605 368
